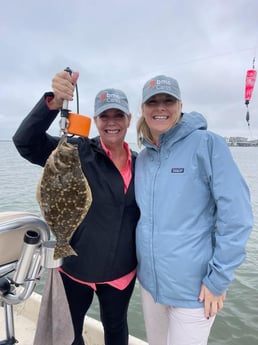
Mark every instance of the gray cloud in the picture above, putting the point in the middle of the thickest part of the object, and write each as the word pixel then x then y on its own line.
pixel 206 44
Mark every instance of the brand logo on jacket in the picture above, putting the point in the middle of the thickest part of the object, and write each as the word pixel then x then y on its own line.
pixel 177 170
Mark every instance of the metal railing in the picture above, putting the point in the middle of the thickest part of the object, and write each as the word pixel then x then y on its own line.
pixel 25 247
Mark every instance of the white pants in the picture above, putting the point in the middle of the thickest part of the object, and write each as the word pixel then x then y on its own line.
pixel 167 325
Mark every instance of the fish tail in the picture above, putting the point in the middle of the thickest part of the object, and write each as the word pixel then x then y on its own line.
pixel 63 251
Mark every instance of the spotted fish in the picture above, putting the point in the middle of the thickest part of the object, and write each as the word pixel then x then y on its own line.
pixel 64 195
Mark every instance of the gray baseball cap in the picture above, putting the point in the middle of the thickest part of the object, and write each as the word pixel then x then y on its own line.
pixel 111 99
pixel 161 84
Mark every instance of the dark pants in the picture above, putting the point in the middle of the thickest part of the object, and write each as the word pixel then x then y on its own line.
pixel 113 309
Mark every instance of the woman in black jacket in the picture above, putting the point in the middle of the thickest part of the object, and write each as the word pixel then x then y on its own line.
pixel 105 239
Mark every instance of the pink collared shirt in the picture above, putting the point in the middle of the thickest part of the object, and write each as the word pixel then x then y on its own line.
pixel 122 282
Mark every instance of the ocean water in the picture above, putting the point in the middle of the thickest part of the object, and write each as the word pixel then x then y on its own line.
pixel 236 324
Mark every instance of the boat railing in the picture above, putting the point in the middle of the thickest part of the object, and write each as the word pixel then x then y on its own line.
pixel 24 239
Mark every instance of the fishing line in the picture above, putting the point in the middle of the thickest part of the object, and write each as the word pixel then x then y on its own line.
pixel 68 69
pixel 77 98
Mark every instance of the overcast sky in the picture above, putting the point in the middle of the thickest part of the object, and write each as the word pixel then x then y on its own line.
pixel 207 45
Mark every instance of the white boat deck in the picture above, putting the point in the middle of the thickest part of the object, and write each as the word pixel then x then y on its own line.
pixel 25 319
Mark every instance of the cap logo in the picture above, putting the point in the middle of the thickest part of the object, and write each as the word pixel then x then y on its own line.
pixel 163 85
pixel 110 97
pixel 103 96
pixel 163 82
pixel 160 84
pixel 152 84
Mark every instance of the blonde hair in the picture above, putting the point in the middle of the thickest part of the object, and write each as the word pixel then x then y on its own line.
pixel 143 131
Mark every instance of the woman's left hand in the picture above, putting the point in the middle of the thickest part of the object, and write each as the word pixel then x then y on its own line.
pixel 212 303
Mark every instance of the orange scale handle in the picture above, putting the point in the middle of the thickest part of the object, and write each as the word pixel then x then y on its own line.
pixel 78 124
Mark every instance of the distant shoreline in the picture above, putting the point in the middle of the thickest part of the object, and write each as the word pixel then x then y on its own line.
pixel 230 144
pixel 243 144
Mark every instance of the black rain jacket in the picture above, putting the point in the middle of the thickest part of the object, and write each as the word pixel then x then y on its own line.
pixel 105 240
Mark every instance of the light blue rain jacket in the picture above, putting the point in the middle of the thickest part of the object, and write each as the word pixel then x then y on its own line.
pixel 196 215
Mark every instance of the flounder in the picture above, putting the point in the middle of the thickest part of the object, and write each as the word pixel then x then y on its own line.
pixel 64 195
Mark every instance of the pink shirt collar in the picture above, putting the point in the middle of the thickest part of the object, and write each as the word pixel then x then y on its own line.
pixel 126 172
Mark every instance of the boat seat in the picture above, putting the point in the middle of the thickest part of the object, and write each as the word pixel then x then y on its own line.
pixel 13 226
pixel 11 236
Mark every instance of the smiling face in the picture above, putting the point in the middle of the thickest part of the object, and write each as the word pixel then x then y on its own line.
pixel 161 112
pixel 112 125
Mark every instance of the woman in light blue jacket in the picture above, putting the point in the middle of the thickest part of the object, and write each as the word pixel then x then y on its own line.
pixel 195 218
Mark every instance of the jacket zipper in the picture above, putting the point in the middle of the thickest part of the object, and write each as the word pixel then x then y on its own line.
pixel 153 215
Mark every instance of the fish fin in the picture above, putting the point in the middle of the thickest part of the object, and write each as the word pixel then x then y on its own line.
pixel 63 251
